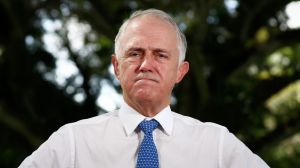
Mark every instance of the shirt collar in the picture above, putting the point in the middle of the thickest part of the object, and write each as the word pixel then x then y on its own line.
pixel 130 118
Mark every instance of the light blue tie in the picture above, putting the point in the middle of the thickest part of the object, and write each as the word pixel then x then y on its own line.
pixel 147 155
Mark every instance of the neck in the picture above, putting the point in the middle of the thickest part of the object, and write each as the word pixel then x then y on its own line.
pixel 146 108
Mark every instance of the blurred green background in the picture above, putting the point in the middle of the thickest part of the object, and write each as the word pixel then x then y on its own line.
pixel 245 69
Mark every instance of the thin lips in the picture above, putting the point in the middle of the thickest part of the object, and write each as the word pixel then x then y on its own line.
pixel 146 77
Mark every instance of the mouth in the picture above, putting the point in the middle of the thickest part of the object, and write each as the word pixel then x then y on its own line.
pixel 146 79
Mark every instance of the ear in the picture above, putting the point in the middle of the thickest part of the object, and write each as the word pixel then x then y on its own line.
pixel 114 61
pixel 182 70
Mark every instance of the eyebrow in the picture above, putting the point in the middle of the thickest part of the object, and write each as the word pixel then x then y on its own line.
pixel 143 49
pixel 159 50
pixel 134 49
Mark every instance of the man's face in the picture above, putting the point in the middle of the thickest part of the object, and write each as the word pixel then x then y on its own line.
pixel 148 66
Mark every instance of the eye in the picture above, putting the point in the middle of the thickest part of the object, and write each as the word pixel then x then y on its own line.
pixel 162 55
pixel 134 53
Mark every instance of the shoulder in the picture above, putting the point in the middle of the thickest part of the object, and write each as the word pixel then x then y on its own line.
pixel 82 127
pixel 189 123
pixel 97 121
pixel 195 122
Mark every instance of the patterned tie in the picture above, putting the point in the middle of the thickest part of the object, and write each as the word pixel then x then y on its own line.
pixel 147 155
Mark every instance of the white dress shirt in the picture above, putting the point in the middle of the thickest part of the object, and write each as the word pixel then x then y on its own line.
pixel 112 140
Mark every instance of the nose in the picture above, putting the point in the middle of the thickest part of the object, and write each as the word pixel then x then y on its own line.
pixel 147 63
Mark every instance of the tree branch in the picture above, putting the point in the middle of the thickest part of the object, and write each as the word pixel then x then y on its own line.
pixel 18 126
pixel 282 132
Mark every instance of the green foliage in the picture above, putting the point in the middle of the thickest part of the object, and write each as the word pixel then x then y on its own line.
pixel 245 68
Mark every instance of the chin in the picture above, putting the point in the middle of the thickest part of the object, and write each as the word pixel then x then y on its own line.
pixel 145 96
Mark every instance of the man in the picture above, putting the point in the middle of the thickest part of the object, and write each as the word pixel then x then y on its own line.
pixel 144 132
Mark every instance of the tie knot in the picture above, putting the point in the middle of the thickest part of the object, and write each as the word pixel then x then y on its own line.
pixel 147 126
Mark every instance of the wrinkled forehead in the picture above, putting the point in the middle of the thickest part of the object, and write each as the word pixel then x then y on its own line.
pixel 151 28
pixel 151 19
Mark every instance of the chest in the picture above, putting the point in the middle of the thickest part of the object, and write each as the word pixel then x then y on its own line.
pixel 122 152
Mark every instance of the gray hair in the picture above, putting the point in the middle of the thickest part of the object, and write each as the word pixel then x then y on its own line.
pixel 182 44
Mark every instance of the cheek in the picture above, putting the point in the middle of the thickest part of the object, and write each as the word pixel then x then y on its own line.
pixel 126 74
pixel 170 73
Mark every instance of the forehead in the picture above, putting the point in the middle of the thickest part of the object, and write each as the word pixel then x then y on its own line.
pixel 149 31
